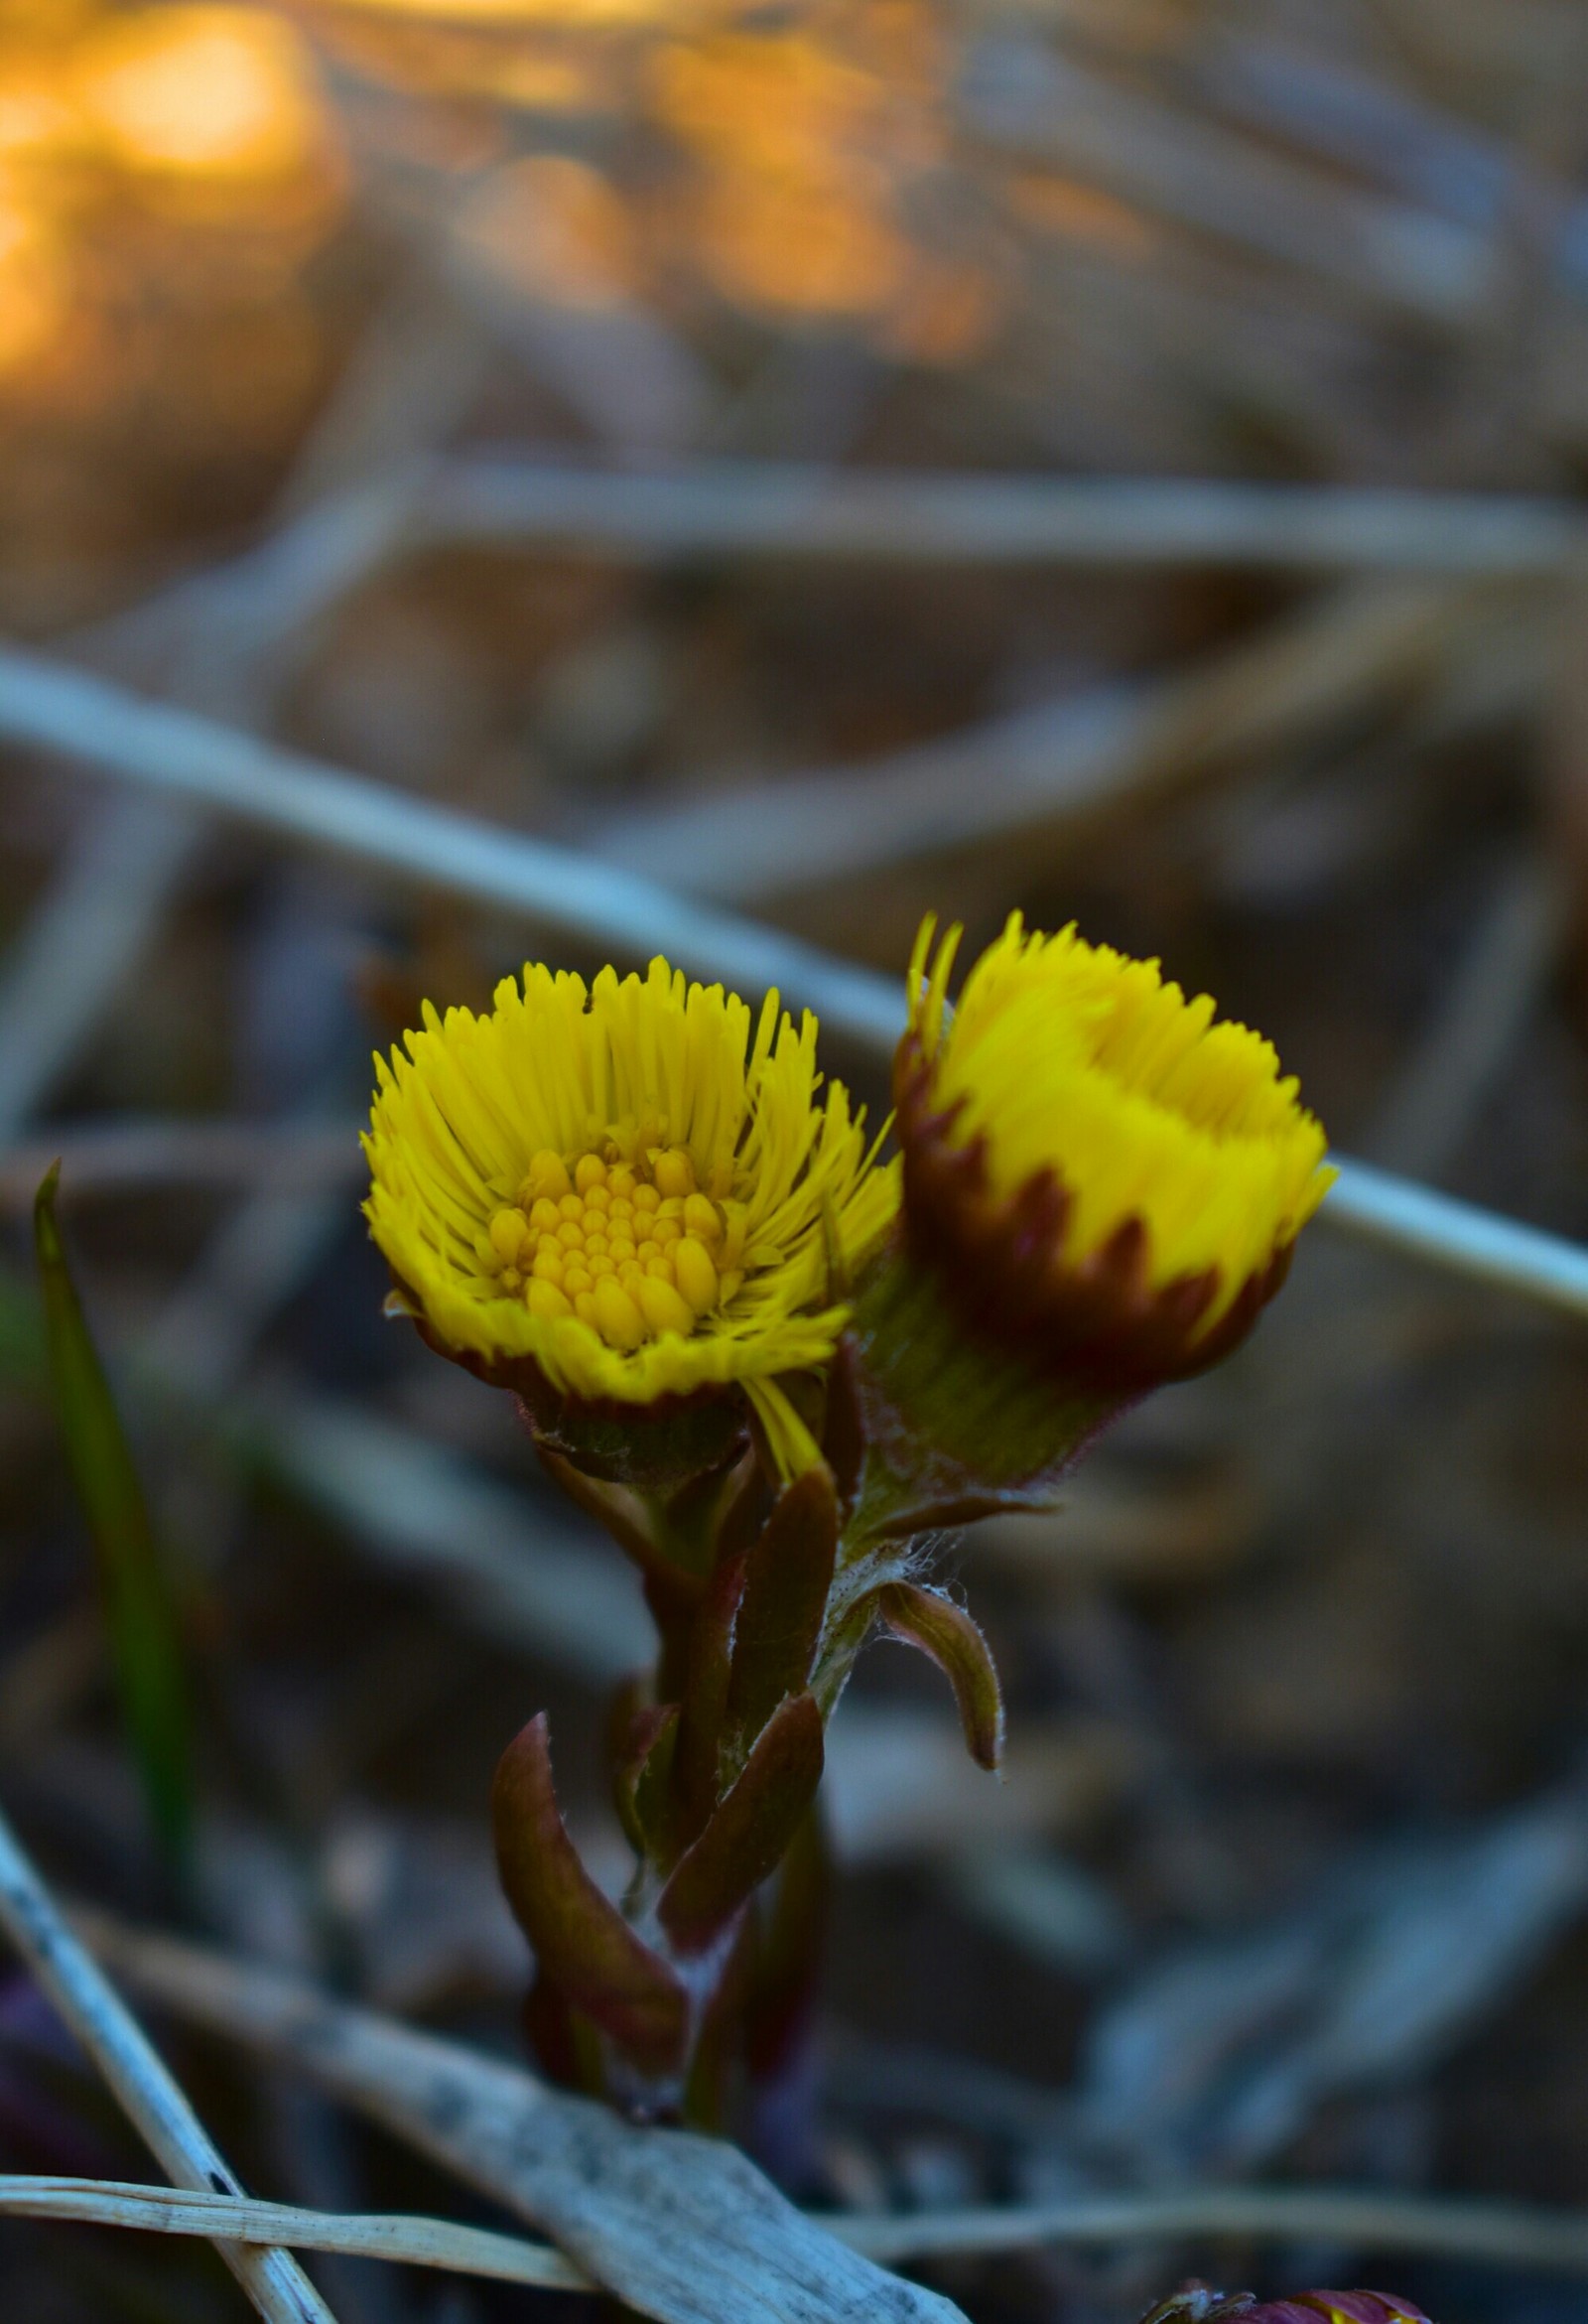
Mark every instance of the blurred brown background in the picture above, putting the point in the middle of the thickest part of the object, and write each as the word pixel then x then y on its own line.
pixel 399 380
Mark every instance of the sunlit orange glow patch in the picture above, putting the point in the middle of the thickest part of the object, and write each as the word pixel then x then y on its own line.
pixel 544 84
pixel 782 103
pixel 809 245
pixel 507 13
pixel 34 290
pixel 37 123
pixel 554 228
pixel 204 93
pixel 802 148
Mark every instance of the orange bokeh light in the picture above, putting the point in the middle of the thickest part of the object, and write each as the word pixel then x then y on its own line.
pixel 817 244
pixel 35 288
pixel 214 93
pixel 783 103
pixel 555 227
pixel 801 150
pixel 502 15
pixel 37 122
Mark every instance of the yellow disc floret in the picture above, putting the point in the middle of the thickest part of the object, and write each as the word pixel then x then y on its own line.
pixel 667 1260
pixel 630 1185
pixel 1074 1060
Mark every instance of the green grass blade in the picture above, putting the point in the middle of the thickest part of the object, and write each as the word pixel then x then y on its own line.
pixel 138 1607
pixel 22 1348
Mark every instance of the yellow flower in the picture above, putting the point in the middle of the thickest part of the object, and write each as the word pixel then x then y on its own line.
pixel 617 1189
pixel 1128 1175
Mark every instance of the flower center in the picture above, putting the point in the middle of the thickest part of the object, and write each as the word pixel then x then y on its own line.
pixel 633 1249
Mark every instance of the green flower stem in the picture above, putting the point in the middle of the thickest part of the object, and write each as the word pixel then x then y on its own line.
pixel 763 1597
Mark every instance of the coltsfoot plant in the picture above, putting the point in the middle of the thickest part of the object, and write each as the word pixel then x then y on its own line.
pixel 769 1362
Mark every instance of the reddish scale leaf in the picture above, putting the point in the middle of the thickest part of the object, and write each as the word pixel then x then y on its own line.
pixel 707 1673
pixel 844 1431
pixel 642 1784
pixel 788 1573
pixel 583 1945
pixel 750 1832
pixel 928 1619
pixel 655 1798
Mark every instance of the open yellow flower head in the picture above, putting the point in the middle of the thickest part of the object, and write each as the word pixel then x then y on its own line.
pixel 1102 1164
pixel 626 1191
